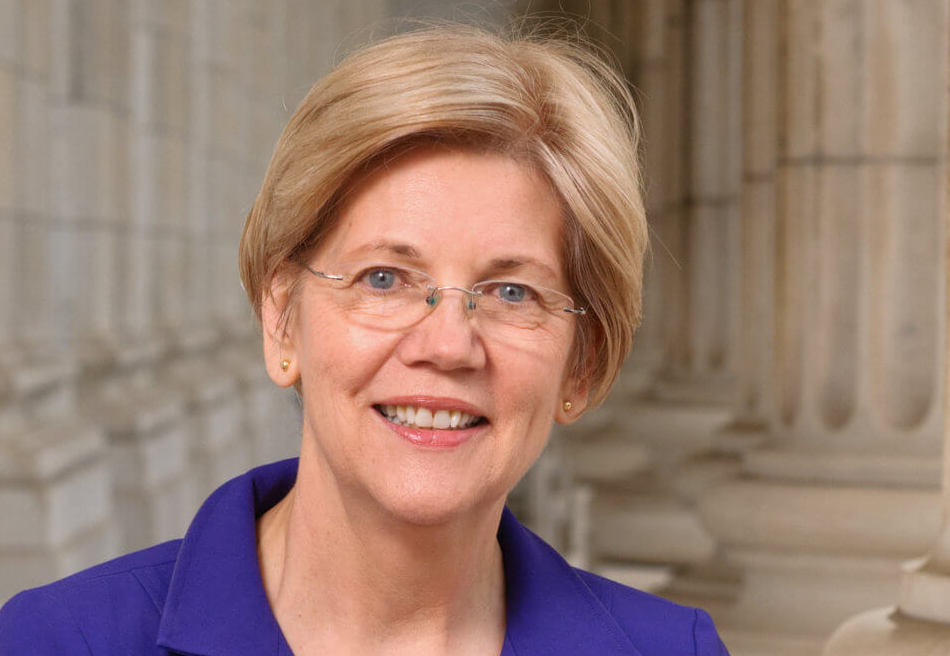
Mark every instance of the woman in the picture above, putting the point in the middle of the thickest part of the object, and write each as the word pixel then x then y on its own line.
pixel 445 258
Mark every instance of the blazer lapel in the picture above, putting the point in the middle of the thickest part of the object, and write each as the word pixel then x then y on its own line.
pixel 216 605
pixel 550 608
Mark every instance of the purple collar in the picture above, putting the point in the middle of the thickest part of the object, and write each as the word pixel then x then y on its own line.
pixel 216 604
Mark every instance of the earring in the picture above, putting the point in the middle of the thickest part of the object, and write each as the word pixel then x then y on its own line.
pixel 567 406
pixel 284 365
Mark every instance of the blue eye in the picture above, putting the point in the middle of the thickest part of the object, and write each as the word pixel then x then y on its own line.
pixel 511 292
pixel 381 278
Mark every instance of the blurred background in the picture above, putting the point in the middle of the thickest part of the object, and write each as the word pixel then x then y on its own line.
pixel 772 451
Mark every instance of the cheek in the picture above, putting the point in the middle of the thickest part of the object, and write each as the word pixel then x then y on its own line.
pixel 551 354
pixel 530 378
pixel 338 355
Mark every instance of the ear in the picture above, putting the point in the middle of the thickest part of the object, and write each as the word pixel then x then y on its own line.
pixel 574 392
pixel 277 329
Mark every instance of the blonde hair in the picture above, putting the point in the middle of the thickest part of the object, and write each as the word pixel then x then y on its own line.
pixel 545 101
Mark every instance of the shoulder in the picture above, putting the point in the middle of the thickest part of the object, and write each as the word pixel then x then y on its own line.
pixel 121 599
pixel 554 608
pixel 655 625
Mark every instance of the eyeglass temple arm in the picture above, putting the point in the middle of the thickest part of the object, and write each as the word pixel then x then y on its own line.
pixel 321 274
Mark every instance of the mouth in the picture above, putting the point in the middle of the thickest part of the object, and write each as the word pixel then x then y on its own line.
pixel 415 416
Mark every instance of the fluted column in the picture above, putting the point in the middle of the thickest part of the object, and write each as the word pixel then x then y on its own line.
pixel 37 89
pixel 647 30
pixel 269 429
pixel 691 423
pixel 642 460
pixel 10 94
pixel 667 190
pixel 88 163
pixel 704 366
pixel 920 624
pixel 50 458
pixel 141 418
pixel 753 401
pixel 845 487
pixel 217 445
pixel 693 193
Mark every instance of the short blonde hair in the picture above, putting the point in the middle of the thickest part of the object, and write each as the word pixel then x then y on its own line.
pixel 546 101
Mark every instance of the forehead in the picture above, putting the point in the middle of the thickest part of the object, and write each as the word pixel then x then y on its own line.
pixel 438 204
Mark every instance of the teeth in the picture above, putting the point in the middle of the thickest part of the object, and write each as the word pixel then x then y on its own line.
pixel 441 419
pixel 424 417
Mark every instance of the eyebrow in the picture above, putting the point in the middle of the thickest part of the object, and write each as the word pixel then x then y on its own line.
pixel 499 264
pixel 504 264
pixel 397 248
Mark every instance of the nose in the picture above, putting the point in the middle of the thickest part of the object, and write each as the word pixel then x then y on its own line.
pixel 446 338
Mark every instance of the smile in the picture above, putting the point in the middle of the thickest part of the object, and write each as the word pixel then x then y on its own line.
pixel 419 417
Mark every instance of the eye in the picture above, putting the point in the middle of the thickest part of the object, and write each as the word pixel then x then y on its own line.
pixel 380 278
pixel 383 279
pixel 513 292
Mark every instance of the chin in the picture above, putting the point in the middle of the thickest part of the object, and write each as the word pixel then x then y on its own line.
pixel 425 506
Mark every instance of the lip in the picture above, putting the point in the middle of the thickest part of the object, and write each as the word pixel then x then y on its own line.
pixel 433 438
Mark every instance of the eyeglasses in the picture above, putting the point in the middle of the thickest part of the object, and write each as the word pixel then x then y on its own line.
pixel 397 297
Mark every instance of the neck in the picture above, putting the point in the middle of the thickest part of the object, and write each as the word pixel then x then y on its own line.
pixel 344 577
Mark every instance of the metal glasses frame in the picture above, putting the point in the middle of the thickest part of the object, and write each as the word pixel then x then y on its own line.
pixel 435 290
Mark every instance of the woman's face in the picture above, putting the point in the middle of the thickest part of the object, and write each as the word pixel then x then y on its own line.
pixel 461 218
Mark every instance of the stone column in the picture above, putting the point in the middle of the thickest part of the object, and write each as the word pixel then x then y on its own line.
pixel 759 145
pixel 88 163
pixel 649 32
pixel 36 74
pixel 706 583
pixel 694 195
pixel 268 425
pixel 920 624
pixel 130 46
pixel 844 489
pixel 50 458
pixel 217 448
pixel 667 178
pixel 11 94
pixel 643 459
pixel 704 364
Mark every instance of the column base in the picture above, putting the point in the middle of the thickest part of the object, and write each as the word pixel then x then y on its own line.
pixel 30 567
pixel 821 518
pixel 648 528
pixel 213 423
pixel 925 586
pixel 888 632
pixel 746 643
pixel 646 577
pixel 788 594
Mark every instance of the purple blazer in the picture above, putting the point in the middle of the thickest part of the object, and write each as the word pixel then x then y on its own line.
pixel 203 596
